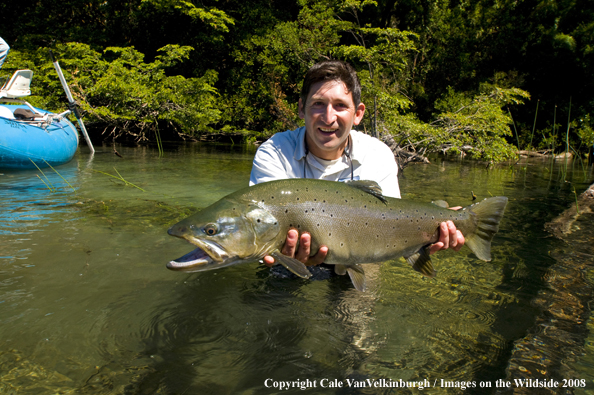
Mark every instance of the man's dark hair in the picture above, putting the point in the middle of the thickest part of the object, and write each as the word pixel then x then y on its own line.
pixel 332 70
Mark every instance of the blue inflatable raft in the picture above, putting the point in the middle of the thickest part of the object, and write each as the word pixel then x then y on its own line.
pixel 31 137
pixel 42 139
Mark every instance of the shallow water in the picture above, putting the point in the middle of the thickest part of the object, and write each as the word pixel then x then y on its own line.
pixel 87 305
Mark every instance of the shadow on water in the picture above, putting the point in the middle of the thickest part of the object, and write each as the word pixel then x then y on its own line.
pixel 98 313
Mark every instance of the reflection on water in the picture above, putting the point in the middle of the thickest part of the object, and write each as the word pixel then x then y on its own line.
pixel 88 307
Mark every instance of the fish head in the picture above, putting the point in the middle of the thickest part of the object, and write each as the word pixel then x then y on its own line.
pixel 226 233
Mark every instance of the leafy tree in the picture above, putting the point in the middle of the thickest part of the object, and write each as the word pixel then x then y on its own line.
pixel 123 95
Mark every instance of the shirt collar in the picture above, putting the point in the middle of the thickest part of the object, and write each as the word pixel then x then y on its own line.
pixel 301 151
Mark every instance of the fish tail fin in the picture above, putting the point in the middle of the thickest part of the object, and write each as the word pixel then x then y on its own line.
pixel 488 214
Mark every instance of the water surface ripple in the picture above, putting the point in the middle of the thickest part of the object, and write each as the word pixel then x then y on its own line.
pixel 88 307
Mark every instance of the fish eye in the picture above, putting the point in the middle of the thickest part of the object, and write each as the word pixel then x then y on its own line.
pixel 211 229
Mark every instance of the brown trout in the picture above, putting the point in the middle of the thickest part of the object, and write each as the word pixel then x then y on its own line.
pixel 355 221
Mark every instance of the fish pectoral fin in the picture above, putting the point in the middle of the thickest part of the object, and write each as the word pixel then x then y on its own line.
pixel 357 275
pixel 340 270
pixel 293 265
pixel 421 262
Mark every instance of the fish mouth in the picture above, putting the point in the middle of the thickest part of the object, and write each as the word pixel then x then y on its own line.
pixel 191 260
pixel 208 255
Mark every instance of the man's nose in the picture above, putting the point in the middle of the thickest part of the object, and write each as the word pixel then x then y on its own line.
pixel 329 115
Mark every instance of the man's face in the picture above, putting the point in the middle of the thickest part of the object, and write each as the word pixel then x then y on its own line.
pixel 329 113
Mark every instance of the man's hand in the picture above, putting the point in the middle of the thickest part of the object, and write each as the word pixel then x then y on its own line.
pixel 449 237
pixel 302 253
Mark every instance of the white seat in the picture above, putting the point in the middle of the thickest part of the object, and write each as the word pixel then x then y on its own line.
pixel 6 113
pixel 18 85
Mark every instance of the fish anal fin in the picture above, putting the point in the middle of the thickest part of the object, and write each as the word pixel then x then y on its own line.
pixel 357 275
pixel 421 262
pixel 293 265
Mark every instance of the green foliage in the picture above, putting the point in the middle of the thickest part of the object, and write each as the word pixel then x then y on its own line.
pixel 477 124
pixel 236 66
pixel 215 18
pixel 122 94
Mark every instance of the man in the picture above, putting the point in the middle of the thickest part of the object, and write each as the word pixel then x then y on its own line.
pixel 4 48
pixel 327 148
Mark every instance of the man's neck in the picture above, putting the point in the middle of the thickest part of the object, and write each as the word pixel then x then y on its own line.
pixel 326 155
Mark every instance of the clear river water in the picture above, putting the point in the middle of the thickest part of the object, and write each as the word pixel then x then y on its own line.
pixel 87 305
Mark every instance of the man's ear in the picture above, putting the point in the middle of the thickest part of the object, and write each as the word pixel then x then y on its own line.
pixel 359 112
pixel 301 109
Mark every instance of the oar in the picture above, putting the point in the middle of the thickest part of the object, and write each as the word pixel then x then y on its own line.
pixel 71 103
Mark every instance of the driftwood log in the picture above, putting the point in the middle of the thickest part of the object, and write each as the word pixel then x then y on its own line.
pixel 563 224
pixel 403 157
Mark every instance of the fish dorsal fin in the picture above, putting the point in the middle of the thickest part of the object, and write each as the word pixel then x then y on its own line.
pixel 293 265
pixel 421 262
pixel 357 275
pixel 441 203
pixel 367 186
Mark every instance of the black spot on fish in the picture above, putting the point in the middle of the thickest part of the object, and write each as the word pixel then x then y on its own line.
pixel 286 211
pixel 329 234
pixel 306 211
pixel 258 220
pixel 342 244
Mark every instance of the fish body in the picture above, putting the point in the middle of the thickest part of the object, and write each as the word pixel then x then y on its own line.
pixel 354 220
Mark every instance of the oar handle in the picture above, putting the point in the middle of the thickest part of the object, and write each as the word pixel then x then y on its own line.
pixel 72 104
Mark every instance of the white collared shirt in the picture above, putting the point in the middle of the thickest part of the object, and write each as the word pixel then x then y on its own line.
pixel 284 155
